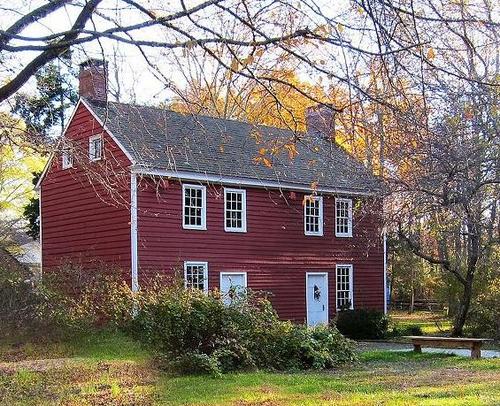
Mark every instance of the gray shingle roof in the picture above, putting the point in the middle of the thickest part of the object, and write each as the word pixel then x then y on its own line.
pixel 162 139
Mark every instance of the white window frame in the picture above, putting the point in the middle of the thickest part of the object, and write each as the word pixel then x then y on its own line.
pixel 349 214
pixel 243 228
pixel 92 156
pixel 233 273
pixel 351 285
pixel 205 273
pixel 67 158
pixel 203 189
pixel 319 233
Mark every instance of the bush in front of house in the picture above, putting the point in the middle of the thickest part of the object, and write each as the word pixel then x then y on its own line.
pixel 196 332
pixel 80 300
pixel 362 324
pixel 20 302
pixel 66 302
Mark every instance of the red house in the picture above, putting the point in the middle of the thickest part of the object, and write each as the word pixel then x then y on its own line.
pixel 230 204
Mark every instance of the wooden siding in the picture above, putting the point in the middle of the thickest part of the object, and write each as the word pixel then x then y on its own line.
pixel 274 252
pixel 85 209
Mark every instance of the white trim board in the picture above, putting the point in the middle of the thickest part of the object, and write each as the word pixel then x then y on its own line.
pixel 40 230
pixel 134 259
pixel 385 271
pixel 240 181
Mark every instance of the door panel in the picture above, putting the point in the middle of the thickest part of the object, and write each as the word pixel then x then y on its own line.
pixel 317 298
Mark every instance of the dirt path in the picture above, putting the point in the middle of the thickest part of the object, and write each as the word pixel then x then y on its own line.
pixel 39 365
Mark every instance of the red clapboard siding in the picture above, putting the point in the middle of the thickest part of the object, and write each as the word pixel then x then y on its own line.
pixel 86 221
pixel 274 252
pixel 85 209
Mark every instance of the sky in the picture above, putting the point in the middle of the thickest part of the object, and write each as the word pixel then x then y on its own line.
pixel 140 81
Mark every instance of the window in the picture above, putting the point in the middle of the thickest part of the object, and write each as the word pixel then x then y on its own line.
pixel 235 210
pixel 196 275
pixel 313 215
pixel 343 217
pixel 194 204
pixel 233 286
pixel 95 148
pixel 67 158
pixel 344 287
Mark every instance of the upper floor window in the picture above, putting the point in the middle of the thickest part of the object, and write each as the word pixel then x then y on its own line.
pixel 196 275
pixel 343 217
pixel 67 158
pixel 313 215
pixel 194 205
pixel 235 210
pixel 344 288
pixel 95 148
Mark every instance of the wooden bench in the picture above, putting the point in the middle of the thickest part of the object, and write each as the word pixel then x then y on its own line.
pixel 449 342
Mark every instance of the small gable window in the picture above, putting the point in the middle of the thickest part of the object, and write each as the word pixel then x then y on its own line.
pixel 95 148
pixel 67 158
pixel 313 215
pixel 194 208
pixel 344 287
pixel 235 210
pixel 196 275
pixel 343 217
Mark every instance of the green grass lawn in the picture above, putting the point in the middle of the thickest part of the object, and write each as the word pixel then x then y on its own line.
pixel 111 369
pixel 431 323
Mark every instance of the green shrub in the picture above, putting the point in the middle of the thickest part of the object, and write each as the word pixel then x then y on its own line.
pixel 195 363
pixel 362 324
pixel 57 307
pixel 20 302
pixel 410 330
pixel 199 334
pixel 484 316
pixel 80 300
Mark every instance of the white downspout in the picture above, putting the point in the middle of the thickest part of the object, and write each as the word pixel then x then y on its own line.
pixel 133 232
pixel 385 271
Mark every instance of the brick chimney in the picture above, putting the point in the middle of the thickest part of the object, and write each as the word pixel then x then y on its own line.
pixel 93 78
pixel 320 120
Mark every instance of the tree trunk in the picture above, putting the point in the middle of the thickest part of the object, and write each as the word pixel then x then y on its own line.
pixel 463 310
pixel 412 297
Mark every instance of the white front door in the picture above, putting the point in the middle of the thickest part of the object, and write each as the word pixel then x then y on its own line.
pixel 232 285
pixel 317 298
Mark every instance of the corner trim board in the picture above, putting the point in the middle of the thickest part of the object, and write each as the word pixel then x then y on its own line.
pixel 40 229
pixel 133 233
pixel 385 272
